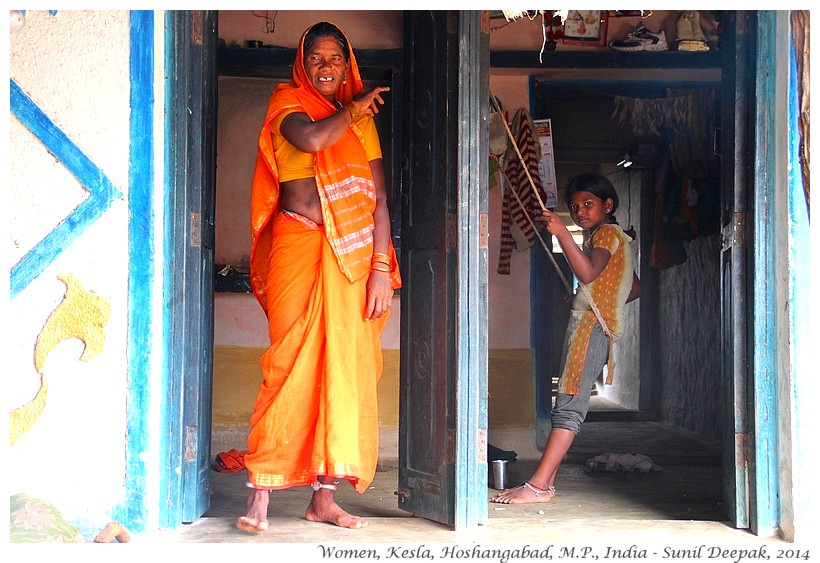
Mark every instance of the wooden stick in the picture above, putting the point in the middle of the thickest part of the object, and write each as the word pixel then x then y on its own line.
pixel 581 284
pixel 540 238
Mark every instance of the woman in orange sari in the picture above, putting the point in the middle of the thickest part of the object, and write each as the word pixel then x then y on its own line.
pixel 324 270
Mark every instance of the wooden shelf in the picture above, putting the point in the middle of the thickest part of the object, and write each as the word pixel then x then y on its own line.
pixel 232 283
pixel 276 62
pixel 606 58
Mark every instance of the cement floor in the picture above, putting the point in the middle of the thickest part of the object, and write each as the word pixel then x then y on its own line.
pixel 678 507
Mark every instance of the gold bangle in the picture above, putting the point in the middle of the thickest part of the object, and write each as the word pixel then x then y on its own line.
pixel 373 268
pixel 380 257
pixel 349 107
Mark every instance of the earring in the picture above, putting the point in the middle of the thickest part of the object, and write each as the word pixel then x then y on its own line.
pixel 344 78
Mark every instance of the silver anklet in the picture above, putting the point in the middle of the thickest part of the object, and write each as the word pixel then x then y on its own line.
pixel 316 485
pixel 250 486
pixel 537 491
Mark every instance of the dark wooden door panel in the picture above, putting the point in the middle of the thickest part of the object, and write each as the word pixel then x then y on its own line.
pixel 427 343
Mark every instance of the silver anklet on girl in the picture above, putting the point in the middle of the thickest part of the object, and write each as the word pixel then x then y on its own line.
pixel 539 492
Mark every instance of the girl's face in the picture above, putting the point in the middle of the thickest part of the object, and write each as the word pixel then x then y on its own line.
pixel 588 211
pixel 326 66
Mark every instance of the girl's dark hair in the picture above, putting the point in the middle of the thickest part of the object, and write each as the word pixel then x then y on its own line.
pixel 326 29
pixel 596 184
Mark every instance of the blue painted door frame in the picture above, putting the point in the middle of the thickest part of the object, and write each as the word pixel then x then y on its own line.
pixel 189 205
pixel 771 159
pixel 135 507
pixel 183 395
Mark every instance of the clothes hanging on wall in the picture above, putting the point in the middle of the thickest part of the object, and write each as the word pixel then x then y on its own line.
pixel 685 208
pixel 516 230
pixel 682 121
pixel 667 248
pixel 687 203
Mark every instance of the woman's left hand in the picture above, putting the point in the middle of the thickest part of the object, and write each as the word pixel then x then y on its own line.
pixel 379 295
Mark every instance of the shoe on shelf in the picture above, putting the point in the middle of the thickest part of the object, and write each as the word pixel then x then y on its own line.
pixel 690 34
pixel 692 45
pixel 641 40
pixel 688 27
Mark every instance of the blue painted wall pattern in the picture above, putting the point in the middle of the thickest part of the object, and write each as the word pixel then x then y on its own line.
pixel 65 230
pixel 102 191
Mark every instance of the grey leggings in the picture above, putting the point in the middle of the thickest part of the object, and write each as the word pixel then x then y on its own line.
pixel 571 410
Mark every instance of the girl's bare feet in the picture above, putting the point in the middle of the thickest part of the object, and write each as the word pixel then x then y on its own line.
pixel 256 519
pixel 323 508
pixel 525 494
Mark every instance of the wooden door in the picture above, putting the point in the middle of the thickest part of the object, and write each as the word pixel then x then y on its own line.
pixel 191 176
pixel 443 418
pixel 734 147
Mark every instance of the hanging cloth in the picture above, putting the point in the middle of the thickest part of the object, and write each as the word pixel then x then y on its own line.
pixel 538 195
pixel 516 228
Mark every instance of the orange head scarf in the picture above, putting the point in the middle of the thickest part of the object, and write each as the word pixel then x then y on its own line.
pixel 343 177
pixel 346 92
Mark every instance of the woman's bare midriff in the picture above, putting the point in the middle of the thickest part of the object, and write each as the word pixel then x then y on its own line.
pixel 301 196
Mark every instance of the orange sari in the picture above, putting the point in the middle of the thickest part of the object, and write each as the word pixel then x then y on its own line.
pixel 316 412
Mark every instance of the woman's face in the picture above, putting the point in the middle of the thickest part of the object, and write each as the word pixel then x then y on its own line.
pixel 326 66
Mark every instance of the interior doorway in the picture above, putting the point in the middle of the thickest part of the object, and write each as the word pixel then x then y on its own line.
pixel 669 200
pixel 677 347
pixel 247 76
pixel 440 102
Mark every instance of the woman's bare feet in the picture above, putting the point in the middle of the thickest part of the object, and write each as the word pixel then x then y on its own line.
pixel 525 494
pixel 323 508
pixel 256 519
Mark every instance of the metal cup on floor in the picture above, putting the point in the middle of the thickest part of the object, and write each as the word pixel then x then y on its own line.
pixel 499 473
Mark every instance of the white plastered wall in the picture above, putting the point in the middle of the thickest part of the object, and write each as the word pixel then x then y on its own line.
pixel 74 65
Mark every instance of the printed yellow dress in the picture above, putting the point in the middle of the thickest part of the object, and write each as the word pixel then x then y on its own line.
pixel 609 291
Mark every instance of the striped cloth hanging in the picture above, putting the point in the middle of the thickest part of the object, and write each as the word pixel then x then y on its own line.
pixel 516 231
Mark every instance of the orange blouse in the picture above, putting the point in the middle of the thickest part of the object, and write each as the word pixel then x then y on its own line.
pixel 295 164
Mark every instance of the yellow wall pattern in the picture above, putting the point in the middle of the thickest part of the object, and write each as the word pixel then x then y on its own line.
pixel 82 315
pixel 237 377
